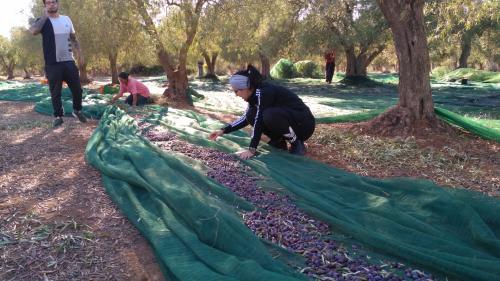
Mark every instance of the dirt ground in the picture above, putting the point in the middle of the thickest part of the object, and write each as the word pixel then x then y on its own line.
pixel 57 222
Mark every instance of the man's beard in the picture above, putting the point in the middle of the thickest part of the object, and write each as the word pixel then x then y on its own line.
pixel 52 11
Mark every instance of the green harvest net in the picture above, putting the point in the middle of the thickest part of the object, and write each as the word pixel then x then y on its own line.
pixel 93 104
pixel 215 99
pixel 15 91
pixel 468 124
pixel 191 221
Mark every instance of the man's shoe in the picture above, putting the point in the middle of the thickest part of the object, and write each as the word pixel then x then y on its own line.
pixel 80 116
pixel 278 143
pixel 298 148
pixel 57 122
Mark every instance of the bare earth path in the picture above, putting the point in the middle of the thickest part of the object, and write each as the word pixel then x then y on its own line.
pixel 56 221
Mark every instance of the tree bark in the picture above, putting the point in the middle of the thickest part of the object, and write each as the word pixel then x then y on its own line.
pixel 84 78
pixel 210 61
pixel 200 69
pixel 10 73
pixel 492 64
pixel 177 86
pixel 265 65
pixel 465 46
pixel 27 74
pixel 357 65
pixel 113 56
pixel 415 109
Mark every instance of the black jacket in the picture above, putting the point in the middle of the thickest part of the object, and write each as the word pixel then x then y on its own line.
pixel 267 96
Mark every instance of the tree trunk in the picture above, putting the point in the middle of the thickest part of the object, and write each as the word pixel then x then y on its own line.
pixel 466 46
pixel 27 74
pixel 176 90
pixel 355 64
pixel 84 78
pixel 10 73
pixel 114 69
pixel 492 65
pixel 210 64
pixel 415 109
pixel 265 65
pixel 200 69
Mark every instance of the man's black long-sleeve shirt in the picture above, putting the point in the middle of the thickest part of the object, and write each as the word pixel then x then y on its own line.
pixel 267 96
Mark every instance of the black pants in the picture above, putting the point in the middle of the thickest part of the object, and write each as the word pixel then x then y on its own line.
pixel 330 70
pixel 140 100
pixel 277 121
pixel 67 72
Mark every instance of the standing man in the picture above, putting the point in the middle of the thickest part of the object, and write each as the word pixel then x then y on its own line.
pixel 329 65
pixel 59 41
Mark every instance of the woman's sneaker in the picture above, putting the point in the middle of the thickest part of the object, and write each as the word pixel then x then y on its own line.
pixel 80 116
pixel 57 122
pixel 297 147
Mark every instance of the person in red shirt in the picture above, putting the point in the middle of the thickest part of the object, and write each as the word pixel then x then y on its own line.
pixel 139 93
pixel 330 65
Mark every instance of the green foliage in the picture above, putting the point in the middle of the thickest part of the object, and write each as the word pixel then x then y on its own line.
pixel 354 26
pixel 440 71
pixel 454 25
pixel 256 30
pixel 9 56
pixel 308 69
pixel 283 69
pixel 473 75
pixel 28 45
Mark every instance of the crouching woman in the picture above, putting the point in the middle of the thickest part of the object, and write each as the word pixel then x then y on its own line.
pixel 272 110
pixel 139 93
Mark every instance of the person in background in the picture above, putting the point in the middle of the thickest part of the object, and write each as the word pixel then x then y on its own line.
pixel 329 65
pixel 59 41
pixel 272 110
pixel 139 93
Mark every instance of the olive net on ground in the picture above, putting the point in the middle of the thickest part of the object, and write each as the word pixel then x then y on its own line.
pixel 468 124
pixel 94 104
pixel 190 221
pixel 193 227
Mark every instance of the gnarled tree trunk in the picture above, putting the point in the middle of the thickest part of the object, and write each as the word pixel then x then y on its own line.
pixel 265 65
pixel 113 56
pixel 84 77
pixel 415 109
pixel 356 65
pixel 210 64
pixel 27 73
pixel 465 46
pixel 177 86
pixel 10 73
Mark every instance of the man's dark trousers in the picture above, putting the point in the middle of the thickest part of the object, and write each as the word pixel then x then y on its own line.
pixel 68 72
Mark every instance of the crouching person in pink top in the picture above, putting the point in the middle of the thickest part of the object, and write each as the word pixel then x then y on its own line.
pixel 139 93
